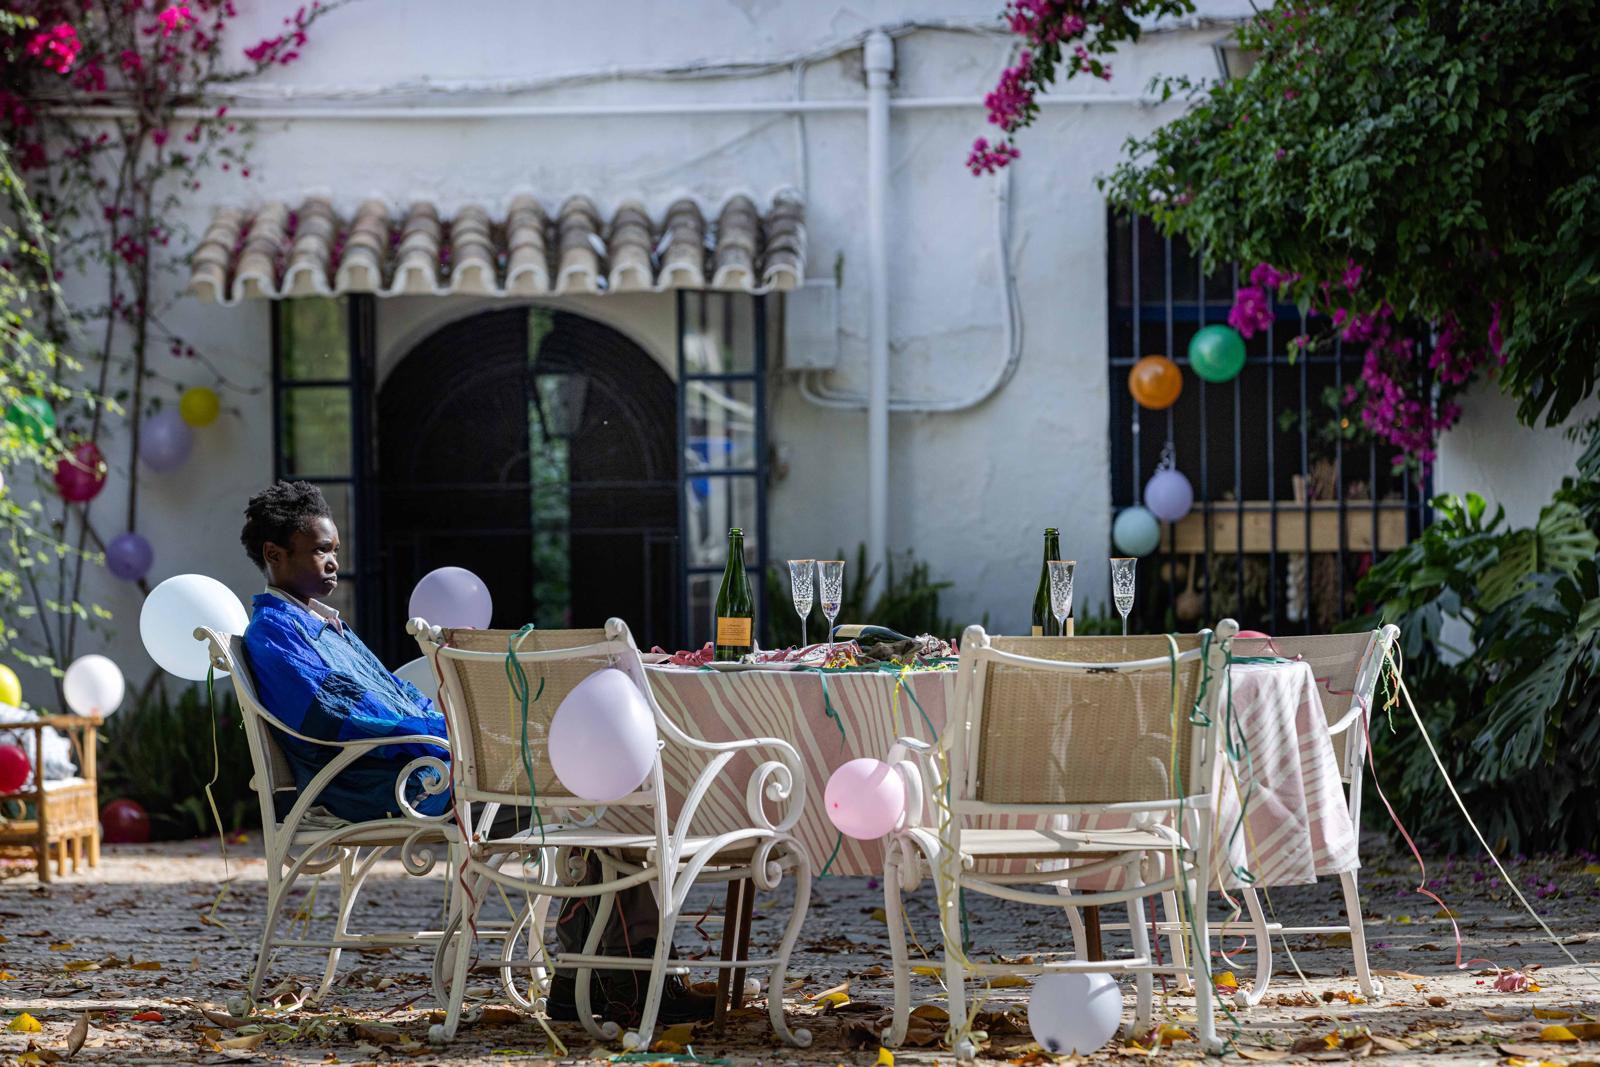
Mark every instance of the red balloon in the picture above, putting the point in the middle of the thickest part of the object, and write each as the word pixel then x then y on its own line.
pixel 14 768
pixel 1252 633
pixel 81 474
pixel 124 822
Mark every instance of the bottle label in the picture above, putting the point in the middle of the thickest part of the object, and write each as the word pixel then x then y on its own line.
pixel 1038 631
pixel 734 632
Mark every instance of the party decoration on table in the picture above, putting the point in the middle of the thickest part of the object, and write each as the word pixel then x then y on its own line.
pixel 171 614
pixel 81 473
pixel 124 822
pixel 419 672
pixel 1155 382
pixel 603 739
pixel 1168 494
pixel 33 417
pixel 165 440
pixel 199 406
pixel 802 590
pixel 10 687
pixel 93 685
pixel 129 556
pixel 452 597
pixel 865 798
pixel 1216 353
pixel 1074 1014
pixel 1136 531
pixel 14 768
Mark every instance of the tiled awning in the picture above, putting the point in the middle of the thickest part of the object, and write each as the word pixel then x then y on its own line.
pixel 276 252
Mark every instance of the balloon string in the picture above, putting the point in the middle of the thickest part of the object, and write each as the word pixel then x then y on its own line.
pixel 216 773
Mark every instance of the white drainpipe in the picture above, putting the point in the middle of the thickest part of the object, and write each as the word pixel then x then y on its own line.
pixel 879 62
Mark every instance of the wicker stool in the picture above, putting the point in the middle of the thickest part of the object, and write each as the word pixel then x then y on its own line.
pixel 66 811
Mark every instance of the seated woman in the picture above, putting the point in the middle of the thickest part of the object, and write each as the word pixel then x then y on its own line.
pixel 317 677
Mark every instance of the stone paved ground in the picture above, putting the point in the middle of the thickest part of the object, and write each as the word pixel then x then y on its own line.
pixel 90 945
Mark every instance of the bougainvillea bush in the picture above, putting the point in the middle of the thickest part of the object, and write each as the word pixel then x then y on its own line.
pixel 110 116
pixel 1424 178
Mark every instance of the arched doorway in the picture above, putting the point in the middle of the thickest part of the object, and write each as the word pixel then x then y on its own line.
pixel 537 449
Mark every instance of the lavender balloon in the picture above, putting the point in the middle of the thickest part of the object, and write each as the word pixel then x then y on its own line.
pixel 452 597
pixel 129 556
pixel 165 440
pixel 603 738
pixel 1168 495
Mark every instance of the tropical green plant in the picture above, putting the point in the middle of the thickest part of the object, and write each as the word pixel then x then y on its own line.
pixel 1514 704
pixel 160 753
pixel 908 603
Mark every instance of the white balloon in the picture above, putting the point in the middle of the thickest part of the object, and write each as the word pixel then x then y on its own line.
pixel 419 672
pixel 603 738
pixel 93 685
pixel 174 609
pixel 1074 1012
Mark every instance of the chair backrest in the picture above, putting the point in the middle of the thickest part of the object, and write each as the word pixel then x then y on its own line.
pixel 1346 666
pixel 484 711
pixel 272 773
pixel 1078 720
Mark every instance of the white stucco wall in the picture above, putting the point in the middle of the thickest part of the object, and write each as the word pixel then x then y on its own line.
pixel 970 491
pixel 1510 465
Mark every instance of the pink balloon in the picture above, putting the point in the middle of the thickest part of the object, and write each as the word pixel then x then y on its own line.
pixel 603 737
pixel 1251 633
pixel 865 798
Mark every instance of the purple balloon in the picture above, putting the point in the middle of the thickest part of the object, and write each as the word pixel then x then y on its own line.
pixel 129 556
pixel 603 738
pixel 1168 495
pixel 452 597
pixel 165 440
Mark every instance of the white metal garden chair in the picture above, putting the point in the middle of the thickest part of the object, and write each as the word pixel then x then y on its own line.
pixel 1347 668
pixel 489 761
pixel 308 841
pixel 1044 738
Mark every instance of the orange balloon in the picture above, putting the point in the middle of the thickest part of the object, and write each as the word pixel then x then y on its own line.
pixel 1155 382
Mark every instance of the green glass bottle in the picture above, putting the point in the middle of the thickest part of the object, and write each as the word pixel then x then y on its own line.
pixel 1044 623
pixel 736 609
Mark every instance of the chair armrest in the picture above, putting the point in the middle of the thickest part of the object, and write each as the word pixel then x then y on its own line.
pixel 1356 710
pixel 349 752
pixel 781 779
pixel 920 773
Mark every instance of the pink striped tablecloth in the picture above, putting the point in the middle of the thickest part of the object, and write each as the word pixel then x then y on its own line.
pixel 1298 826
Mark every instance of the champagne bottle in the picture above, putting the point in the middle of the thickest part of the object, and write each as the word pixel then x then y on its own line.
pixel 735 607
pixel 1044 623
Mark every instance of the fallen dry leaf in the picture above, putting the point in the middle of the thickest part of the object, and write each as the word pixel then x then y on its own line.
pixel 1392 1044
pixel 1008 981
pixel 246 1042
pixel 146 965
pixel 61 946
pixel 24 1024
pixel 79 1034
pixel 1262 1055
pixel 1557 1033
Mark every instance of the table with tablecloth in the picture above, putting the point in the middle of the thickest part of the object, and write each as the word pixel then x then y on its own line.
pixel 1297 827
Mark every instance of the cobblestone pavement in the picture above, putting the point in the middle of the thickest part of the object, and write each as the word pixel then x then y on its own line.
pixel 131 948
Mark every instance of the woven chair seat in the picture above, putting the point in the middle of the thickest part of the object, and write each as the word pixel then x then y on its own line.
pixel 631 848
pixel 1035 844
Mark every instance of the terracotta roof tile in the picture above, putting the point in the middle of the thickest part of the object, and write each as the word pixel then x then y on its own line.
pixel 273 251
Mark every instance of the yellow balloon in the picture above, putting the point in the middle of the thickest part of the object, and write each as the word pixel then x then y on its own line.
pixel 199 406
pixel 10 687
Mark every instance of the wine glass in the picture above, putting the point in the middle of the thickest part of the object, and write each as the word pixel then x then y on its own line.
pixel 801 587
pixel 1122 586
pixel 830 582
pixel 1061 591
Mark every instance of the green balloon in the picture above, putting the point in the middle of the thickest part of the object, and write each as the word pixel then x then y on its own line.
pixel 34 417
pixel 1217 353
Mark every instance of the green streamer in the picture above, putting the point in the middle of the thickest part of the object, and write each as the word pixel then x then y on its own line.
pixel 519 686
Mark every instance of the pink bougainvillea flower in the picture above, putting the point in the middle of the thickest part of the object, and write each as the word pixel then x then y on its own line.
pixel 57 47
pixel 175 18
pixel 1251 312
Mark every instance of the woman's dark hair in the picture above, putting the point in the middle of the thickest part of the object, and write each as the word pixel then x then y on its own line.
pixel 276 513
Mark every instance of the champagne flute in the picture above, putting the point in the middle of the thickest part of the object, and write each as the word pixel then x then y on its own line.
pixel 830 581
pixel 801 575
pixel 1122 586
pixel 1061 591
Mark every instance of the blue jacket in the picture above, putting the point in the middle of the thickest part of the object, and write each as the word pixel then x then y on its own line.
pixel 314 674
